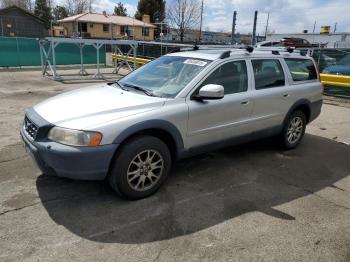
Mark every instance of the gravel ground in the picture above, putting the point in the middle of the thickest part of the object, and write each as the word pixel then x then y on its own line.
pixel 252 202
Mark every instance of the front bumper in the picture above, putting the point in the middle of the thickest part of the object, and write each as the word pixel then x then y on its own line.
pixel 83 163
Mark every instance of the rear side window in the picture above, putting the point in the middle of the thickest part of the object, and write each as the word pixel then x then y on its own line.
pixel 301 69
pixel 268 73
pixel 232 76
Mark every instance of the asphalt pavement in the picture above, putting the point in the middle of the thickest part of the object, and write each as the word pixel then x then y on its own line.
pixel 252 202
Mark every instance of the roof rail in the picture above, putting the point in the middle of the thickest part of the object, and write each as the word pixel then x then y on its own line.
pixel 278 49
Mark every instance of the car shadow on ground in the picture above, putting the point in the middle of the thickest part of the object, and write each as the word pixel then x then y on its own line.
pixel 202 191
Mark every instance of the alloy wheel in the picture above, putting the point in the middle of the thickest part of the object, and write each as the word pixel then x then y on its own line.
pixel 295 130
pixel 145 169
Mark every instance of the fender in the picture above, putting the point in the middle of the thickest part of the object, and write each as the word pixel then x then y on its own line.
pixel 153 124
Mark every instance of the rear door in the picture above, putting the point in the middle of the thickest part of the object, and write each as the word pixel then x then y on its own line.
pixel 271 95
pixel 215 120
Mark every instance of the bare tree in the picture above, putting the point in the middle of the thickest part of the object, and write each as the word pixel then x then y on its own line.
pixel 184 15
pixel 78 6
pixel 24 4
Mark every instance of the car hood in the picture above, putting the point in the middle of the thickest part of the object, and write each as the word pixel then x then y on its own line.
pixel 95 105
pixel 337 69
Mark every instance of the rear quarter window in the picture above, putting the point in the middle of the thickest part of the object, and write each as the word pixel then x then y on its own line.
pixel 301 69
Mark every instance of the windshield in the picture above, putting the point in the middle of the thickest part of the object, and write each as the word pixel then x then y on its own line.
pixel 165 76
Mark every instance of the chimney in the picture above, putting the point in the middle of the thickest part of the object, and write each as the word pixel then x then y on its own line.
pixel 104 13
pixel 146 19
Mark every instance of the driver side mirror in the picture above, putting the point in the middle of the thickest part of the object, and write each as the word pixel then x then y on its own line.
pixel 211 92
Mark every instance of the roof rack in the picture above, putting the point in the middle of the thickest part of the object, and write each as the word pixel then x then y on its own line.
pixel 249 49
pixel 278 49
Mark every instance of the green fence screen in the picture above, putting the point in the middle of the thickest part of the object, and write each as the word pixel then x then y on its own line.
pixel 22 51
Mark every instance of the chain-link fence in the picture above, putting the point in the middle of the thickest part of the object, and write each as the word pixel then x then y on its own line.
pixel 155 50
pixel 342 44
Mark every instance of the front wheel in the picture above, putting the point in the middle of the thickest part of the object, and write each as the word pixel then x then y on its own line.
pixel 293 130
pixel 140 167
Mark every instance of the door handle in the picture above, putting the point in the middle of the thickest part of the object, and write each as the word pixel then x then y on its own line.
pixel 246 102
pixel 286 95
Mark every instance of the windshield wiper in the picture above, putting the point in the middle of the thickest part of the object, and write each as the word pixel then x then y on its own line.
pixel 145 91
pixel 121 87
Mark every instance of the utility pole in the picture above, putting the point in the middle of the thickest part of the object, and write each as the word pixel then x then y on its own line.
pixel 233 27
pixel 267 24
pixel 254 28
pixel 200 28
pixel 335 27
pixel 313 31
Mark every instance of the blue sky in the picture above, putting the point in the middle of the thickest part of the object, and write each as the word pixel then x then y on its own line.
pixel 285 15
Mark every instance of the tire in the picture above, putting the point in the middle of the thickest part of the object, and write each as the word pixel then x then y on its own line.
pixel 140 167
pixel 293 130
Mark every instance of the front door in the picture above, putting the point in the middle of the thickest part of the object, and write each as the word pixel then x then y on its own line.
pixel 216 120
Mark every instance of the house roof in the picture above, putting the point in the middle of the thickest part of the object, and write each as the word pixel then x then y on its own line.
pixel 4 10
pixel 105 19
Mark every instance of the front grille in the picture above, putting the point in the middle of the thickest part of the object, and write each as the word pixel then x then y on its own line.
pixel 30 128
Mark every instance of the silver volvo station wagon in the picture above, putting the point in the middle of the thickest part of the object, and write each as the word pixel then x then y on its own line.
pixel 130 131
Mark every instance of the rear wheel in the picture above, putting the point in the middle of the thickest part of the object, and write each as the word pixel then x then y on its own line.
pixel 140 167
pixel 294 130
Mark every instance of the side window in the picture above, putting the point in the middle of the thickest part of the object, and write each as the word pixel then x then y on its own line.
pixel 301 69
pixel 105 27
pixel 268 73
pixel 232 76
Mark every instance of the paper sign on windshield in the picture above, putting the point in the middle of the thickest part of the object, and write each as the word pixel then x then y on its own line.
pixel 195 62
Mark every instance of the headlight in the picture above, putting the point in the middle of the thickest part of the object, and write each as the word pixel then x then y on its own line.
pixel 74 137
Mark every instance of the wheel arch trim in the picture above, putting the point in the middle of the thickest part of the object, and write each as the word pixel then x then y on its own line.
pixel 301 102
pixel 153 124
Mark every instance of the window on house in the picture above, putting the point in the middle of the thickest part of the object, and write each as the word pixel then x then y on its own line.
pixel 145 31
pixel 83 27
pixel 105 28
pixel 124 29
pixel 91 25
pixel 61 33
pixel 268 73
